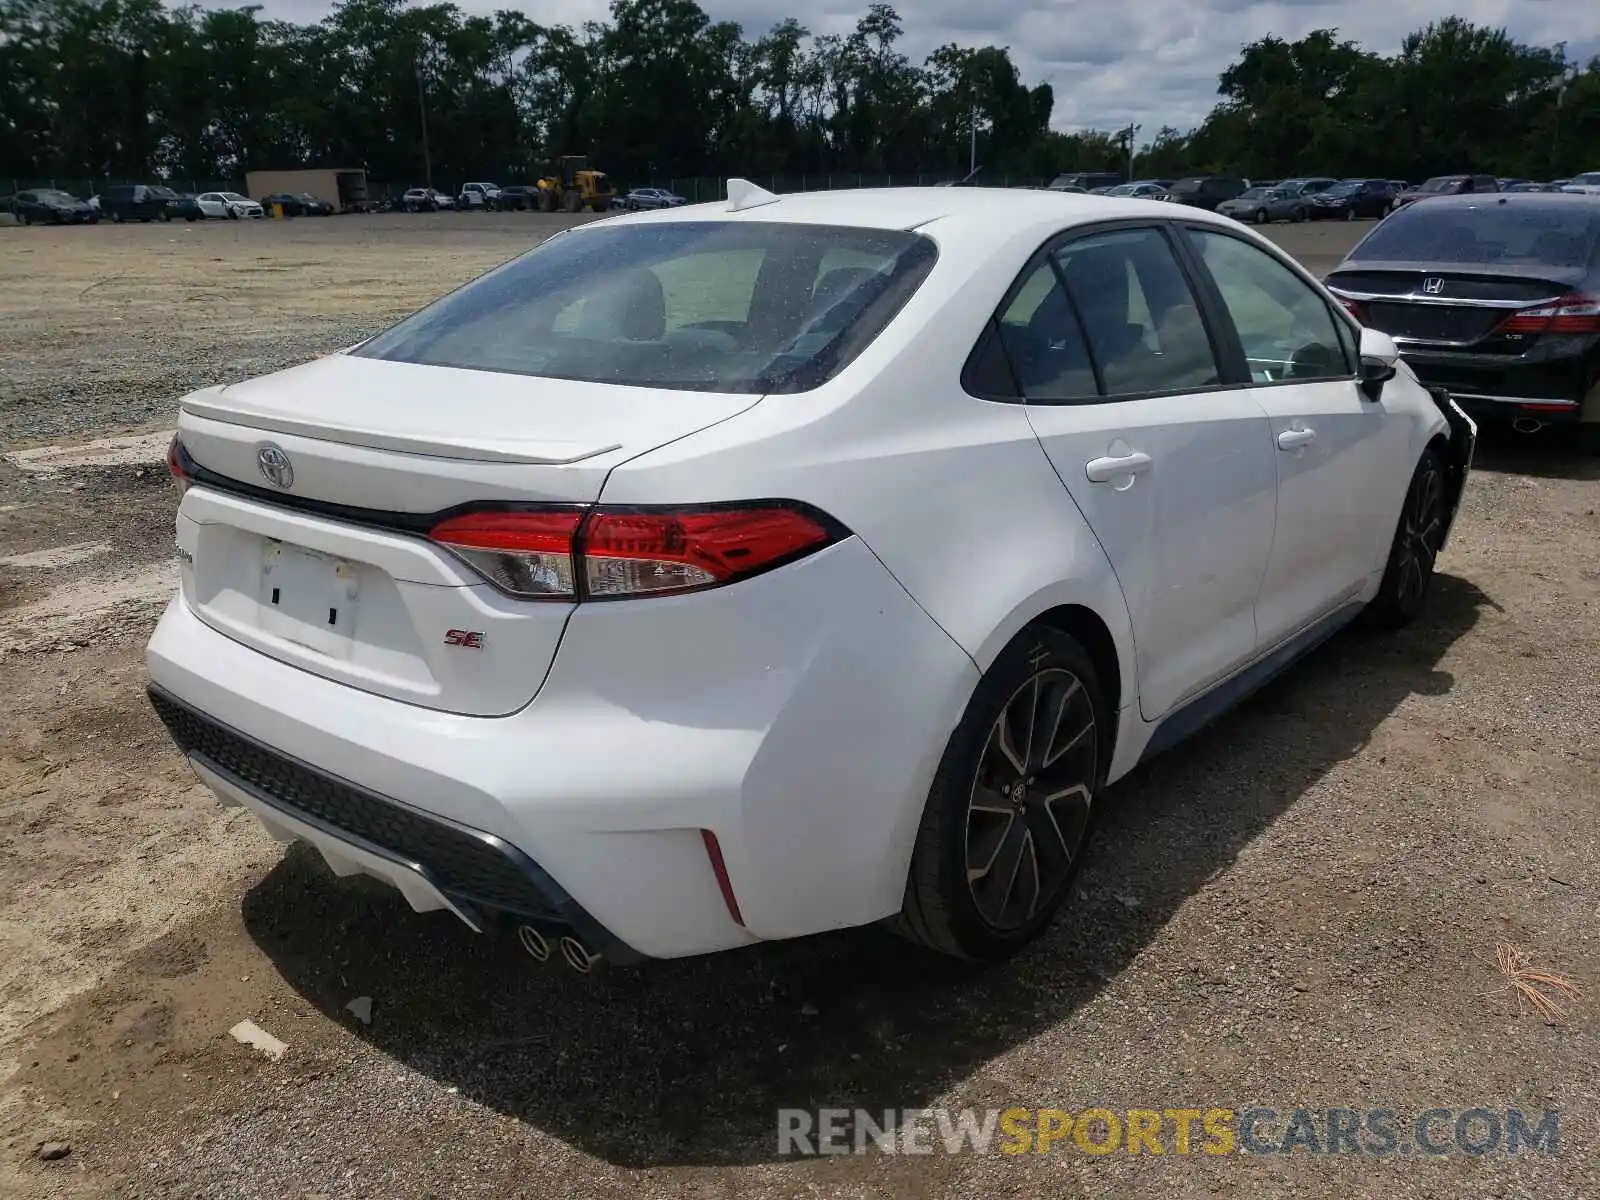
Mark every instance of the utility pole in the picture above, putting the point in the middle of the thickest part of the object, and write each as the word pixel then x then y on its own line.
pixel 422 107
pixel 1567 74
pixel 1133 132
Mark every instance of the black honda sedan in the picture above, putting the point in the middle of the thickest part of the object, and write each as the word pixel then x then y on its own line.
pixel 1495 297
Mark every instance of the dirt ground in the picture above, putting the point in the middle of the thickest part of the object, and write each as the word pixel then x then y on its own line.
pixel 1299 910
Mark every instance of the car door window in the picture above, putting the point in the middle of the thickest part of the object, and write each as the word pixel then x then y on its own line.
pixel 1145 330
pixel 1288 330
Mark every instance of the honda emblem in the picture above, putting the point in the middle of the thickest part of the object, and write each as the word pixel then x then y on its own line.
pixel 1433 285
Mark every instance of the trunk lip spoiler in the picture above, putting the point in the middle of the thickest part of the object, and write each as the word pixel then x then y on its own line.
pixel 543 454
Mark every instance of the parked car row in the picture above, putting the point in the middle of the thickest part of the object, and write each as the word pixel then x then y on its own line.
pixel 1309 198
pixel 153 202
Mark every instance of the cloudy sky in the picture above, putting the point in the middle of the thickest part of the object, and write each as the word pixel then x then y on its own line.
pixel 1154 62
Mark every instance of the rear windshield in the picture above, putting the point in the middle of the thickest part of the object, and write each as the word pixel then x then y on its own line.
pixel 1528 235
pixel 719 306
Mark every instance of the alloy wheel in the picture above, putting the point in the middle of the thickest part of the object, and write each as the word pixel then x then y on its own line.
pixel 1420 527
pixel 1030 799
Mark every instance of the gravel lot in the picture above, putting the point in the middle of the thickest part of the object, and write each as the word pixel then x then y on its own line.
pixel 1300 910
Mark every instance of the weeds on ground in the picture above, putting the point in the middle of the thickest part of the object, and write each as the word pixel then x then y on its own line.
pixel 1546 992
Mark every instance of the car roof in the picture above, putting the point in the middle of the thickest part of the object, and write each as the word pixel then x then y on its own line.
pixel 911 208
pixel 974 215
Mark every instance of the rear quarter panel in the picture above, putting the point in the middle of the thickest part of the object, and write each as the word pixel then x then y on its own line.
pixel 953 494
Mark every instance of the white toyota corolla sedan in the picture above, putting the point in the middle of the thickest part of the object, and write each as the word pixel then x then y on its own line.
pixel 739 571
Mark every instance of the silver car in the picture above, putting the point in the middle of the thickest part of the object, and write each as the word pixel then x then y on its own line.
pixel 1144 189
pixel 652 198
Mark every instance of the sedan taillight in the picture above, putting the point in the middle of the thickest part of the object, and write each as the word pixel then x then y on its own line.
pixel 1577 312
pixel 527 554
pixel 614 553
pixel 176 465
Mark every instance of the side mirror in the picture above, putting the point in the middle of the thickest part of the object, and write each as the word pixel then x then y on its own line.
pixel 1380 361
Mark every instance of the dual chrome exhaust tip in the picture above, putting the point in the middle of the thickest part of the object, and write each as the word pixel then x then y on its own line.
pixel 573 952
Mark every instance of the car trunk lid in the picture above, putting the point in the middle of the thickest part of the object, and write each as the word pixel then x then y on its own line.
pixel 303 534
pixel 1451 304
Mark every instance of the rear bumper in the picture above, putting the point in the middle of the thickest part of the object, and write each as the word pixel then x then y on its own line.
pixel 1552 390
pixel 433 862
pixel 798 716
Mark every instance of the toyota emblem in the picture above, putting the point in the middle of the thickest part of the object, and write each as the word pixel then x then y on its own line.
pixel 275 465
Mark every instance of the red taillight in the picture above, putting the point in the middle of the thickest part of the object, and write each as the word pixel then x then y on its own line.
pixel 1351 307
pixel 524 553
pixel 1578 312
pixel 180 475
pixel 616 553
pixel 639 553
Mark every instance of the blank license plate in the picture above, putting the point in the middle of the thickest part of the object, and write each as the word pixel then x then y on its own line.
pixel 309 598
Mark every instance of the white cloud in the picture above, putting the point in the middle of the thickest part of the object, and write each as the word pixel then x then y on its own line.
pixel 1110 62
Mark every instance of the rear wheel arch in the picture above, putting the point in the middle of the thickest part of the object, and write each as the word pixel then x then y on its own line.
pixel 1094 635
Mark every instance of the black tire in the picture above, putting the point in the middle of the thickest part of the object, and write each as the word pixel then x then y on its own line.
pixel 22 218
pixel 1261 216
pixel 190 217
pixel 573 201
pixel 1300 214
pixel 164 216
pixel 1408 576
pixel 116 216
pixel 947 908
pixel 1350 214
pixel 547 200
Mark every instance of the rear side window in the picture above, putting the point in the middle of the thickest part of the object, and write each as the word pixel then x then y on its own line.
pixel 1525 234
pixel 735 306
pixel 1287 328
pixel 1043 342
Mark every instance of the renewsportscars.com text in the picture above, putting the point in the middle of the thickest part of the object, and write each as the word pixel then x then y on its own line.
pixel 1380 1132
